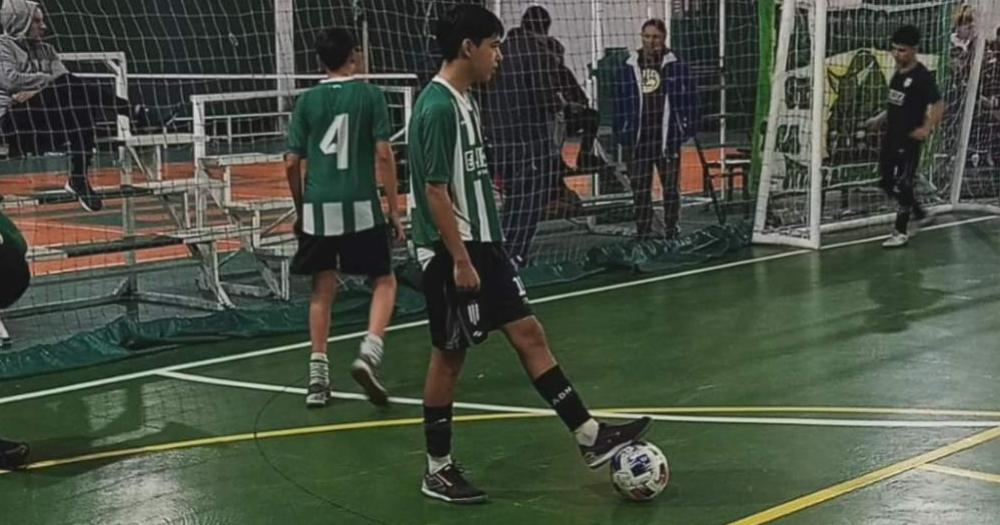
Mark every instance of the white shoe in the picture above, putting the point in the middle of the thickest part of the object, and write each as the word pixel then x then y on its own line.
pixel 364 370
pixel 318 395
pixel 319 384
pixel 896 240
pixel 367 377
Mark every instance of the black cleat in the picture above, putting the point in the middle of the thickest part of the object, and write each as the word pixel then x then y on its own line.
pixel 611 439
pixel 13 455
pixel 80 188
pixel 449 485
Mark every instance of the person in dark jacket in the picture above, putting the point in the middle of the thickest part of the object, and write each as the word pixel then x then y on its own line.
pixel 519 111
pixel 655 114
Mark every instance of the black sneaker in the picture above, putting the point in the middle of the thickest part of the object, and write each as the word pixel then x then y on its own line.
pixel 13 455
pixel 449 485
pixel 146 119
pixel 80 188
pixel 611 439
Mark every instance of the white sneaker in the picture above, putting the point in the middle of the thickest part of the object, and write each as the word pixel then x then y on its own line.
pixel 319 384
pixel 364 370
pixel 896 240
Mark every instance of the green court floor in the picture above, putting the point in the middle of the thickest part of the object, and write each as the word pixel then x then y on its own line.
pixel 847 386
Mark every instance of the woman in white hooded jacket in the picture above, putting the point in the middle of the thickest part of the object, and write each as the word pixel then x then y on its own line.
pixel 43 107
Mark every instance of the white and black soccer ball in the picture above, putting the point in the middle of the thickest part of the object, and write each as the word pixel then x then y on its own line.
pixel 640 471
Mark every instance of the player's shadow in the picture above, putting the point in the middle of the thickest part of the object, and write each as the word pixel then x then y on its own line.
pixel 85 431
pixel 898 298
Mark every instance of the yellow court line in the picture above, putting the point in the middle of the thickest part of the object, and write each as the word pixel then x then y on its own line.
pixel 846 487
pixel 250 436
pixel 810 410
pixel 962 473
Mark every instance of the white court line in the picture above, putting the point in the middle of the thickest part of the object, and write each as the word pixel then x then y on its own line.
pixel 285 348
pixel 611 414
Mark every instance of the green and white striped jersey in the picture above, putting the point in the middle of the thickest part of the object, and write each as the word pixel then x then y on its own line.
pixel 335 126
pixel 446 146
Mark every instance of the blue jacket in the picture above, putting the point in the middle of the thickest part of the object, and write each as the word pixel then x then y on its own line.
pixel 680 110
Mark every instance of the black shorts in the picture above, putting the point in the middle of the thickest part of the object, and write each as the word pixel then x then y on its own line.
pixel 15 276
pixel 368 252
pixel 459 320
pixel 898 166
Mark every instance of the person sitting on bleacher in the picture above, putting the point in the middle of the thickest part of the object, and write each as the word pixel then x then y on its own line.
pixel 43 107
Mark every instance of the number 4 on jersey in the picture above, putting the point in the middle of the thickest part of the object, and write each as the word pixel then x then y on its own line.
pixel 336 141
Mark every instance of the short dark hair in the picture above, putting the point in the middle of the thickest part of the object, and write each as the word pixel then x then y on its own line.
pixel 334 46
pixel 658 23
pixel 907 35
pixel 465 22
pixel 536 19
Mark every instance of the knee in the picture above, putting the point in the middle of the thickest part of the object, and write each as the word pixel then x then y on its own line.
pixel 529 336
pixel 447 364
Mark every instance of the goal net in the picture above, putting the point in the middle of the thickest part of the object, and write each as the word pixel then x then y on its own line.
pixel 832 70
pixel 196 232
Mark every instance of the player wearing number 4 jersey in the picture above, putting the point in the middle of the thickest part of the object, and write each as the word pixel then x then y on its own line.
pixel 470 285
pixel 341 128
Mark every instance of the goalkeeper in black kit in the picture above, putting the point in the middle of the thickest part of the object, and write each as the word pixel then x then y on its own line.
pixel 913 111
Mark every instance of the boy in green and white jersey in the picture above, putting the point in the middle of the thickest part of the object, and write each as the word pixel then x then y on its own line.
pixel 470 285
pixel 341 128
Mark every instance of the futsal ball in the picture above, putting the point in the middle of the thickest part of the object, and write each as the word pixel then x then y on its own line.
pixel 640 471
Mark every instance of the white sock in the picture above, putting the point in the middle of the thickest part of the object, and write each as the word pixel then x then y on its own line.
pixel 318 356
pixel 435 464
pixel 586 434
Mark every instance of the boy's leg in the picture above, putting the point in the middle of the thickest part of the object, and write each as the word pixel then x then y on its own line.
pixel 641 179
pixel 891 166
pixel 365 366
pixel 669 170
pixel 369 252
pixel 443 480
pixel 320 306
pixel 598 442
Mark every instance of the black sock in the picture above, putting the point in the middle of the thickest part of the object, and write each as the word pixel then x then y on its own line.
pixel 437 430
pixel 561 396
pixel 902 220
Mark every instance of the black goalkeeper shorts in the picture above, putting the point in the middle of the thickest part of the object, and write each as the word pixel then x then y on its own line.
pixel 459 320
pixel 14 276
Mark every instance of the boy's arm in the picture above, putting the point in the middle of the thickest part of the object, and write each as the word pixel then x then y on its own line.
pixel 935 110
pixel 385 170
pixel 443 214
pixel 293 172
pixel 297 136
pixel 385 161
pixel 877 121
pixel 439 139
